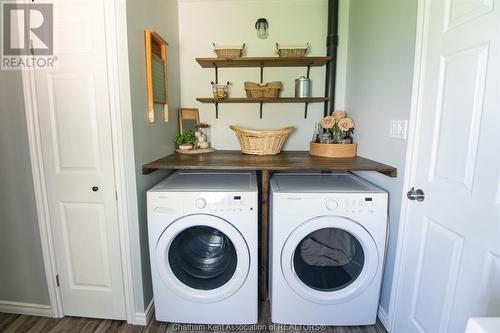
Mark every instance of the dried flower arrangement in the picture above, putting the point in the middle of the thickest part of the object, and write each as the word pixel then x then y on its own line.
pixel 340 126
pixel 336 141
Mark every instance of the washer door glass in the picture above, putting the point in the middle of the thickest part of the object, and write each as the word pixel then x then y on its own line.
pixel 328 259
pixel 202 257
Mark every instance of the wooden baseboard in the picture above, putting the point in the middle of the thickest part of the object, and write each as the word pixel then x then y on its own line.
pixel 26 308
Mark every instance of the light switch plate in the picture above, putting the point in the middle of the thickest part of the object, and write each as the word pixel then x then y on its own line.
pixel 398 129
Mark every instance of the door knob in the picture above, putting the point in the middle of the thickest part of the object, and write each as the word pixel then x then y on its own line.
pixel 95 188
pixel 418 194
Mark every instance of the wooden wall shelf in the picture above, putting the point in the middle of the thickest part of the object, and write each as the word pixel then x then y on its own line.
pixel 263 62
pixel 264 100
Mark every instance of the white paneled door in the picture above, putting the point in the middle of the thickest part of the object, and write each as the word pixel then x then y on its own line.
pixel 74 116
pixel 451 251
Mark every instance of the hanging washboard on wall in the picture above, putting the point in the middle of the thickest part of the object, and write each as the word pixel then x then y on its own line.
pixel 156 73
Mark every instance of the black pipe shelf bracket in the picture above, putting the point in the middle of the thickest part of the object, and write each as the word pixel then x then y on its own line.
pixel 261 82
pixel 216 82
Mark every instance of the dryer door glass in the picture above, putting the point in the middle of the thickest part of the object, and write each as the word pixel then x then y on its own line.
pixel 202 257
pixel 328 259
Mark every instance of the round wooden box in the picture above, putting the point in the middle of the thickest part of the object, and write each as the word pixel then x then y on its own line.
pixel 332 150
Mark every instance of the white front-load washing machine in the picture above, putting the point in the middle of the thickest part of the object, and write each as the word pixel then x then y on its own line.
pixel 327 245
pixel 203 236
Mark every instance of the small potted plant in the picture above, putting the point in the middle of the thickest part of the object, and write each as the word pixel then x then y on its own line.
pixel 336 140
pixel 185 140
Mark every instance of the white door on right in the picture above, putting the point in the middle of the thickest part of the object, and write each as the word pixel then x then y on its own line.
pixel 451 252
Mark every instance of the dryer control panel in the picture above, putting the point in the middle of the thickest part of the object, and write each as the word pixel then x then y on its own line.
pixel 337 204
pixel 361 205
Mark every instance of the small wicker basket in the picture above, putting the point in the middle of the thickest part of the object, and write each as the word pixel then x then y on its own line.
pixel 267 142
pixel 292 51
pixel 267 90
pixel 229 52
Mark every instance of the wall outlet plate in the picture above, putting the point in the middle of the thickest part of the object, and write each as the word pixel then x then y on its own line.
pixel 398 129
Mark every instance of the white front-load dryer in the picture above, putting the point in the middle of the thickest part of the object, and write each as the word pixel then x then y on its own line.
pixel 327 246
pixel 203 234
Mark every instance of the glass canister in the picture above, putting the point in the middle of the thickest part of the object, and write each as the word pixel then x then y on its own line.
pixel 302 87
pixel 220 91
pixel 202 136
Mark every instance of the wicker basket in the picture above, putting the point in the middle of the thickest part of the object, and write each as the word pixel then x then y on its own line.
pixel 267 142
pixel 267 90
pixel 229 52
pixel 292 51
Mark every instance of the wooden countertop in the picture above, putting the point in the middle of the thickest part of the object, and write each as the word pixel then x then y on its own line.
pixel 286 160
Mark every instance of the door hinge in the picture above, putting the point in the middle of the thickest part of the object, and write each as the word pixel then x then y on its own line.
pixel 57 280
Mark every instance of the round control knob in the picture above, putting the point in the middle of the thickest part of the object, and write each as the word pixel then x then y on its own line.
pixel 200 203
pixel 331 204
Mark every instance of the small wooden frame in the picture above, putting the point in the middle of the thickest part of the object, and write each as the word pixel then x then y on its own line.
pixel 156 73
pixel 188 114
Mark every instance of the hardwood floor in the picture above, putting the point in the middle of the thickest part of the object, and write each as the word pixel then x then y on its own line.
pixel 13 323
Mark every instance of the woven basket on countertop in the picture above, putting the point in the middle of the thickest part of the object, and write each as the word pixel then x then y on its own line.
pixel 266 90
pixel 267 142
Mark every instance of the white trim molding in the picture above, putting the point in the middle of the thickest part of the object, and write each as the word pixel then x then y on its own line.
pixel 144 318
pixel 42 206
pixel 123 149
pixel 29 309
pixel 411 157
pixel 383 317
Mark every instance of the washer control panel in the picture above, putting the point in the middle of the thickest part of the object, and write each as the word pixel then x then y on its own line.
pixel 200 203
pixel 331 204
pixel 217 203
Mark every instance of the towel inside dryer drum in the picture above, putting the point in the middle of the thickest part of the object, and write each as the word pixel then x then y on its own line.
pixel 328 247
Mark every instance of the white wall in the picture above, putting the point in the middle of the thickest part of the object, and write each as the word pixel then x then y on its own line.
pixel 151 141
pixel 231 23
pixel 22 275
pixel 379 82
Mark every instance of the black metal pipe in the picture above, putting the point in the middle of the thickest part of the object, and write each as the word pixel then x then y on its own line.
pixel 332 41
